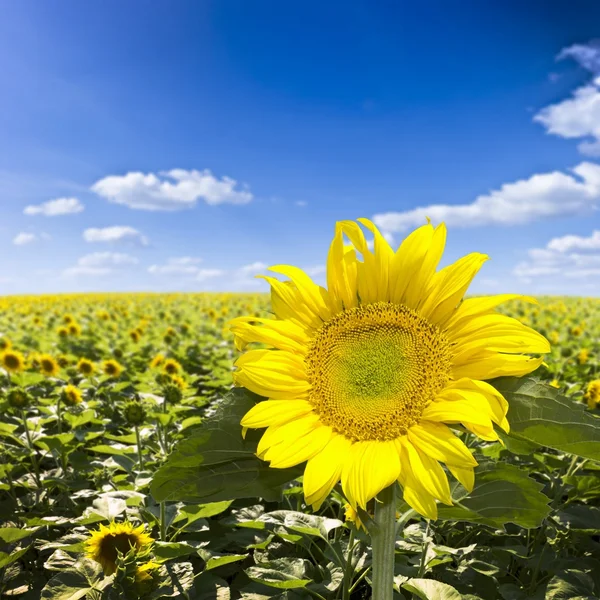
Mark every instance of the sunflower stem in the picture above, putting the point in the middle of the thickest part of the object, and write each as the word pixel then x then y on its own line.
pixel 33 455
pixel 383 538
pixel 139 447
pixel 163 521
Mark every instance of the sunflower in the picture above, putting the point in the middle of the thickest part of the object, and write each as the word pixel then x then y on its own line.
pixel 171 367
pixel 157 361
pixel 583 356
pixel 63 332
pixel 12 360
pixel 363 379
pixel 74 329
pixel 71 395
pixel 48 365
pixel 179 381
pixel 5 344
pixel 112 368
pixel 104 545
pixel 85 367
pixel 592 394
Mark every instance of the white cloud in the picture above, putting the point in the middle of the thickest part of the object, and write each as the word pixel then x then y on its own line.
pixel 182 265
pixel 540 196
pixel 558 260
pixel 575 242
pixel 24 238
pixel 204 274
pixel 116 233
pixel 55 208
pixel 587 55
pixel 252 269
pixel 579 116
pixel 100 263
pixel 301 203
pixel 170 190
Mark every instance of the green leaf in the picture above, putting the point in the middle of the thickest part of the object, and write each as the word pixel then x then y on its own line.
pixel 108 507
pixel 502 494
pixel 569 585
pixel 299 522
pixel 15 555
pixel 282 573
pixel 540 414
pixel 14 534
pixel 193 512
pixel 581 517
pixel 170 550
pixel 75 583
pixel 215 463
pixel 217 559
pixel 429 589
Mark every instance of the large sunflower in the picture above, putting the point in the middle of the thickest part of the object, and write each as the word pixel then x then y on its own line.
pixel 104 545
pixel 363 379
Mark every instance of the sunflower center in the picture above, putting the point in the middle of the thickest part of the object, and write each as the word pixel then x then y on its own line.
pixel 11 361
pixel 121 542
pixel 374 368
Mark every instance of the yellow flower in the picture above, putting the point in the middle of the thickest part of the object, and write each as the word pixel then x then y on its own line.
pixel 12 360
pixel 583 356
pixel 112 368
pixel 157 361
pixel 63 332
pixel 71 395
pixel 363 378
pixel 74 328
pixel 5 344
pixel 48 365
pixel 134 334
pixel 179 381
pixel 85 367
pixel 143 573
pixel 554 383
pixel 592 395
pixel 352 516
pixel 554 337
pixel 171 367
pixel 576 331
pixel 103 545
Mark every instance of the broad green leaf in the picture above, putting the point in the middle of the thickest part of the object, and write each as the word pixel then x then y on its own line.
pixel 502 494
pixel 9 558
pixel 540 414
pixel 108 506
pixel 217 559
pixel 193 512
pixel 299 522
pixel 281 573
pixel 429 589
pixel 170 550
pixel 14 534
pixel 581 517
pixel 569 585
pixel 215 463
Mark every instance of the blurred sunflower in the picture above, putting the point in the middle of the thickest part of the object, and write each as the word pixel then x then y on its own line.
pixel 74 329
pixel 592 394
pixel 85 367
pixel 112 368
pixel 179 381
pixel 5 344
pixel 104 545
pixel 157 361
pixel 171 367
pixel 12 360
pixel 583 356
pixel 362 379
pixel 71 395
pixel 48 365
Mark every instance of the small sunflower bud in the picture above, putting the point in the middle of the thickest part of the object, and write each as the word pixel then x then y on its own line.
pixel 135 413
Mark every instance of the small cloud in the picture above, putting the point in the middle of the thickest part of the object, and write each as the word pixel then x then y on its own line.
pixel 21 239
pixel 252 269
pixel 587 55
pixel 204 274
pixel 55 208
pixel 315 271
pixel 182 265
pixel 575 242
pixel 176 189
pixel 99 264
pixel 116 233
pixel 541 196
pixel 301 203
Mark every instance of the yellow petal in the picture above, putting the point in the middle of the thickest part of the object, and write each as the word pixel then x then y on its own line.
pixel 415 495
pixel 284 335
pixel 437 441
pixel 292 451
pixel 288 304
pixel 341 273
pixel 324 470
pixel 274 374
pixel 371 467
pixel 448 287
pixel 292 430
pixel 489 365
pixel 275 412
pixel 429 472
pixel 466 476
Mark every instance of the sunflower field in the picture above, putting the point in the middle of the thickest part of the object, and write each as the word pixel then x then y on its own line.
pixel 125 472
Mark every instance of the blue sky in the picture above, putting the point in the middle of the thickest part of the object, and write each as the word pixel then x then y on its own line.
pixel 186 145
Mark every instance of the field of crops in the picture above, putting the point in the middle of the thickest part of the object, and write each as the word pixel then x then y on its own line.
pixel 96 391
